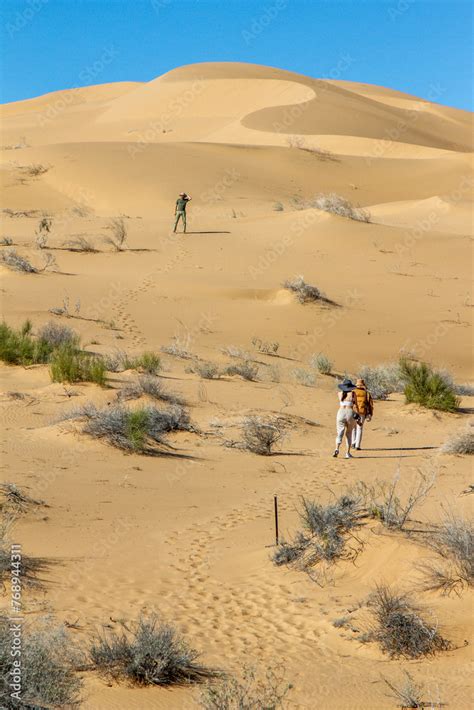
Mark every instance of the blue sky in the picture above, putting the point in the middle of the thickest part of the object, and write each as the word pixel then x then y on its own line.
pixel 417 46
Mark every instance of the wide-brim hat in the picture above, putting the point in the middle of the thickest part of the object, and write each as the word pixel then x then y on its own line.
pixel 347 385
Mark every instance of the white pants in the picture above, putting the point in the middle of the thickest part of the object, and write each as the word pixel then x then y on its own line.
pixel 357 433
pixel 345 423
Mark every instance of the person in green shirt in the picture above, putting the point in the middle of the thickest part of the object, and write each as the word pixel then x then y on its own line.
pixel 180 210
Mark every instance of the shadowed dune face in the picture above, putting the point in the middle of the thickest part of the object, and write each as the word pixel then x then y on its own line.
pixel 188 535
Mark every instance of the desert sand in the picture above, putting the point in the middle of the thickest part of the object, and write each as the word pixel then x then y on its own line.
pixel 192 538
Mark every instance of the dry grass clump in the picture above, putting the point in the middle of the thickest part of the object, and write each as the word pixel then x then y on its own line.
pixel 177 349
pixel 265 347
pixel 399 627
pixel 250 693
pixel 48 662
pixel 6 241
pixel 453 544
pixel 247 370
pixel 148 652
pixel 150 386
pixel 29 568
pixel 305 293
pixel 235 351
pixel 427 387
pixel 148 363
pixel 80 244
pixel 142 430
pixel 327 534
pixel 16 262
pixel 410 693
pixel 15 501
pixel 33 170
pixel 321 363
pixel 205 369
pixel 383 502
pixel 462 443
pixel 119 234
pixel 304 377
pixel 382 380
pixel 338 205
pixel 56 335
pixel 260 434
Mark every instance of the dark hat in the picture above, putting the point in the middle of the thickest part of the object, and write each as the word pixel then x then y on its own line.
pixel 347 385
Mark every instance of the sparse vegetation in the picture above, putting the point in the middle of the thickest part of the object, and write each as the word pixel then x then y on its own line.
pixel 462 443
pixel 453 544
pixel 16 262
pixel 249 693
pixel 55 335
pixel 321 363
pixel 139 430
pixel 6 242
pixel 327 531
pixel 48 662
pixel 205 369
pixel 177 349
pixel 305 293
pixel 304 377
pixel 338 205
pixel 152 387
pixel 30 568
pixel 427 387
pixel 147 362
pixel 399 627
pixel 15 501
pixel 260 434
pixel 18 347
pixel 410 694
pixel 383 502
pixel 278 207
pixel 148 652
pixel 266 347
pixel 68 364
pixel 299 143
pixel 246 370
pixel 119 234
pixel 80 244
pixel 33 170
pixel 382 380
pixel 235 351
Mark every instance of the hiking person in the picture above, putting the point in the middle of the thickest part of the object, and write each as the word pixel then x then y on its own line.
pixel 180 210
pixel 365 407
pixel 346 416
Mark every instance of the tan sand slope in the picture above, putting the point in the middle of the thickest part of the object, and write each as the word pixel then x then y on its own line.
pixel 191 537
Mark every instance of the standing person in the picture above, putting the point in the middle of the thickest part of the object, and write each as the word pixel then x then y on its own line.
pixel 180 210
pixel 346 416
pixel 365 407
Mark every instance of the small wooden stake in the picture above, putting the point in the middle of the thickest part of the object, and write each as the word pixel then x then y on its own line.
pixel 275 503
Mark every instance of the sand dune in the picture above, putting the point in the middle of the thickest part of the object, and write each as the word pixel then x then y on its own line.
pixel 199 530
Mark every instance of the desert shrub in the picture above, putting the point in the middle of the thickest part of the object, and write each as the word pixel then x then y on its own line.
pixel 18 347
pixel 67 364
pixel 80 244
pixel 461 443
pixel 427 387
pixel 147 362
pixel 340 623
pixel 30 569
pixel 278 207
pixel 6 242
pixel 152 387
pixel 338 205
pixel 119 234
pixel 48 662
pixel 464 390
pixel 148 652
pixel 15 501
pixel 382 380
pixel 305 293
pixel 15 261
pixel 135 430
pixel 304 377
pixel 246 370
pixel 453 544
pixel 205 369
pixel 410 694
pixel 177 349
pixel 55 335
pixel 235 351
pixel 249 693
pixel 261 434
pixel 399 627
pixel 327 529
pixel 34 169
pixel 321 363
pixel 265 347
pixel 384 503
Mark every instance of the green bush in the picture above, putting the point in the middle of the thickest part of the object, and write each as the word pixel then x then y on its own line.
pixel 148 362
pixel 71 365
pixel 18 347
pixel 428 387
